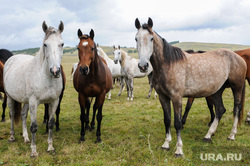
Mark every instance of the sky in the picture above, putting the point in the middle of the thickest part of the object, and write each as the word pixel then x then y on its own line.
pixel 210 21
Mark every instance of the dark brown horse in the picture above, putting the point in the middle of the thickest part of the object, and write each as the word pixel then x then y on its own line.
pixel 178 74
pixel 4 56
pixel 245 54
pixel 92 78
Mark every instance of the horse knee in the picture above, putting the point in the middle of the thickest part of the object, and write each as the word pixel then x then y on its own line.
pixel 51 123
pixel 33 127
pixel 99 117
pixel 220 112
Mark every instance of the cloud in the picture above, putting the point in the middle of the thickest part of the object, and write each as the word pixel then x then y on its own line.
pixel 223 21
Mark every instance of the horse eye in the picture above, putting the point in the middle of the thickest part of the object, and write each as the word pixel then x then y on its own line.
pixel 62 44
pixel 45 45
pixel 152 39
pixel 135 39
pixel 92 48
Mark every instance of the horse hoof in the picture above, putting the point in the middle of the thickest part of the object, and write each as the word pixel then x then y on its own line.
pixel 82 139
pixel 12 139
pixel 230 139
pixel 57 129
pixel 3 120
pixel 178 155
pixel 98 140
pixel 92 128
pixel 34 154
pixel 163 148
pixel 207 140
pixel 247 122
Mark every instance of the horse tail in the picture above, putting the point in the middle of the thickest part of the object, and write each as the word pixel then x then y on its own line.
pixel 17 111
pixel 241 113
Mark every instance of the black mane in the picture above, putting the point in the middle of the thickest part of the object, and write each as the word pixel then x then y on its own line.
pixel 172 54
pixel 4 55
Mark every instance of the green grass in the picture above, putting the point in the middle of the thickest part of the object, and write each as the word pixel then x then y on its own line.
pixel 132 133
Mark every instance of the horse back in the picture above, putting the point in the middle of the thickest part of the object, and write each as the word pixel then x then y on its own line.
pixel 245 54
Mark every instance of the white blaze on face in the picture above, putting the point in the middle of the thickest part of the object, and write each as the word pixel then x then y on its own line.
pixel 85 43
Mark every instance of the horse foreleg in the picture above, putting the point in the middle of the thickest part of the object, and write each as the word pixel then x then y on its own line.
pixel 131 89
pixel 122 85
pixel 177 104
pixel 98 105
pixel 33 128
pixel 52 110
pixel 165 103
pixel 4 107
pixel 87 105
pixel 82 100
pixel 46 116
pixel 24 115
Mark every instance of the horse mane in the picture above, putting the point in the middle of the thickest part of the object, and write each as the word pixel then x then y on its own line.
pixel 4 55
pixel 171 54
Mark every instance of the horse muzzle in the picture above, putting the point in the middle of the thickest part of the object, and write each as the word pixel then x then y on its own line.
pixel 84 70
pixel 115 61
pixel 55 72
pixel 143 68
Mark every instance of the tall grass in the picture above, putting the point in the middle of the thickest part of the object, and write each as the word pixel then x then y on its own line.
pixel 132 133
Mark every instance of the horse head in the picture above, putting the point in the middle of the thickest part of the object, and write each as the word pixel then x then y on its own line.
pixel 145 40
pixel 86 51
pixel 53 48
pixel 117 54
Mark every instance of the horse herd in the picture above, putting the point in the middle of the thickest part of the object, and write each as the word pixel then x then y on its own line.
pixel 40 79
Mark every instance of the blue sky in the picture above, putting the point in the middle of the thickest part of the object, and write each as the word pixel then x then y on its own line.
pixel 214 21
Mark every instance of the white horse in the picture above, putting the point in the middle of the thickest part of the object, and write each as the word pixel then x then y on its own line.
pixel 74 67
pixel 34 80
pixel 130 70
pixel 114 68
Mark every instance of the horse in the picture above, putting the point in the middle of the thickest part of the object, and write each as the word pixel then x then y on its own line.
pixel 178 74
pixel 4 56
pixel 245 54
pixel 129 71
pixel 34 80
pixel 92 78
pixel 115 68
pixel 74 67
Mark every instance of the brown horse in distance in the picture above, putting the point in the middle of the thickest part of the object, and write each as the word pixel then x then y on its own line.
pixel 92 78
pixel 245 54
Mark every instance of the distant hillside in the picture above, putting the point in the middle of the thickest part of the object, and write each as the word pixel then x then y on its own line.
pixel 72 51
pixel 208 46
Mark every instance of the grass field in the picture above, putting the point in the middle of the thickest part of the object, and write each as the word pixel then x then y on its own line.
pixel 132 133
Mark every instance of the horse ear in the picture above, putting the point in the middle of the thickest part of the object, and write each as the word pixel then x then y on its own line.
pixel 92 34
pixel 97 45
pixel 150 22
pixel 137 23
pixel 45 27
pixel 79 33
pixel 61 27
pixel 114 47
pixel 119 47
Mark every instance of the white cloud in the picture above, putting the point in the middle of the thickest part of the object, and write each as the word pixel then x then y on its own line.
pixel 225 21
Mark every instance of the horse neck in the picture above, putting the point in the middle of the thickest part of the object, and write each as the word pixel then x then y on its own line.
pixel 41 62
pixel 157 56
pixel 95 65
pixel 124 56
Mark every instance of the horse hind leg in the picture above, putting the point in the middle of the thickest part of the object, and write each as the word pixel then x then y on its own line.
pixel 239 97
pixel 11 103
pixel 4 107
pixel 24 115
pixel 220 110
